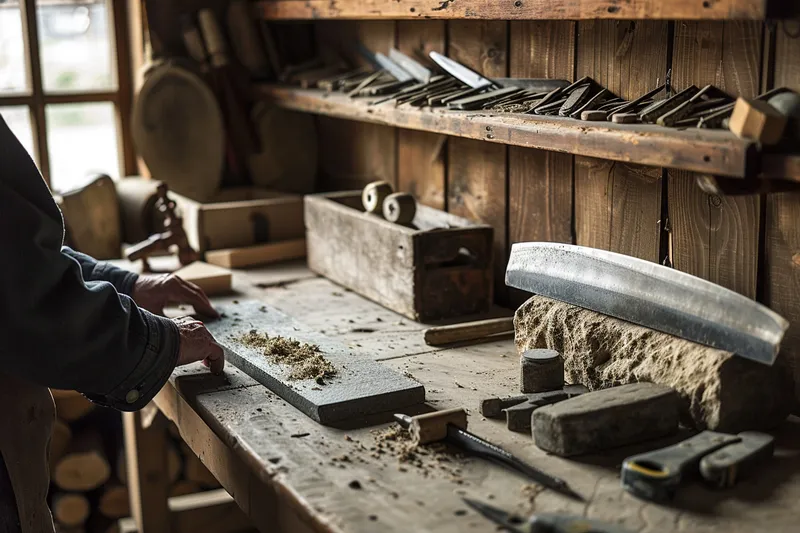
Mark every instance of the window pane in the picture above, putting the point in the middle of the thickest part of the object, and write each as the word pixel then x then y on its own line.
pixel 18 119
pixel 82 140
pixel 13 72
pixel 75 43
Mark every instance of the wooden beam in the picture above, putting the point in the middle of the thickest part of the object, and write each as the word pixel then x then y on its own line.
pixel 421 155
pixel 782 232
pixel 348 150
pixel 477 182
pixel 716 237
pixel 148 485
pixel 618 205
pixel 523 9
pixel 717 152
pixel 33 61
pixel 540 181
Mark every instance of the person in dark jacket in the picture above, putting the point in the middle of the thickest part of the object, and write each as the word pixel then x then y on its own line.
pixel 70 322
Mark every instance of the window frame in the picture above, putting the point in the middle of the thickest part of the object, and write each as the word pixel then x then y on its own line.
pixel 35 99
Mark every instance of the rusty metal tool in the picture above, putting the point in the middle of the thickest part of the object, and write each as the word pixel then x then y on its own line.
pixel 450 426
pixel 542 522
pixel 556 94
pixel 684 109
pixel 633 104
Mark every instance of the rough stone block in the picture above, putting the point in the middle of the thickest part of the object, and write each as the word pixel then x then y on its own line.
pixel 606 419
pixel 718 390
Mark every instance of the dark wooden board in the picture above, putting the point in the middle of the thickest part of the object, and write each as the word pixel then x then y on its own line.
pixel 782 232
pixel 717 152
pixel 521 10
pixel 715 237
pixel 362 386
pixel 617 205
pixel 539 181
pixel 421 155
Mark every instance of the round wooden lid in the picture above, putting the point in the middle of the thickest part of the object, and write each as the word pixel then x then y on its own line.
pixel 178 129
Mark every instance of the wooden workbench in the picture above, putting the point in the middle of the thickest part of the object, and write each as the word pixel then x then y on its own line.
pixel 290 474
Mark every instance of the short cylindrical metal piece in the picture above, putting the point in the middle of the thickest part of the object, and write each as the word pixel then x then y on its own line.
pixel 400 208
pixel 374 194
pixel 541 371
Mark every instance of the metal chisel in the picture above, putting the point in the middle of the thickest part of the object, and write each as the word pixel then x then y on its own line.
pixel 542 522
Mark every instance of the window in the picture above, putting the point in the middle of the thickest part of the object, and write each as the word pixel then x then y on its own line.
pixel 65 86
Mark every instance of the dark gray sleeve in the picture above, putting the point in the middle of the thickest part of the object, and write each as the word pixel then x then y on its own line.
pixel 58 330
pixel 94 270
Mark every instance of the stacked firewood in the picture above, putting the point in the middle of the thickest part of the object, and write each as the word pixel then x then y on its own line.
pixel 88 491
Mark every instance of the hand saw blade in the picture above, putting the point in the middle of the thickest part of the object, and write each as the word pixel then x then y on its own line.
pixel 648 294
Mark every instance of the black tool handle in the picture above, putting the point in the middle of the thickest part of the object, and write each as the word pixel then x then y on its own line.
pixel 487 450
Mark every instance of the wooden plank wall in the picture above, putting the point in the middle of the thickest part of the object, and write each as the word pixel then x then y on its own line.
pixel 750 244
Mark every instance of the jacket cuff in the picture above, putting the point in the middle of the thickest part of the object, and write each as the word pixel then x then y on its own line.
pixel 153 370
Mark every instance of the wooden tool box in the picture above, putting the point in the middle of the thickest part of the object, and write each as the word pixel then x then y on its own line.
pixel 438 267
pixel 241 216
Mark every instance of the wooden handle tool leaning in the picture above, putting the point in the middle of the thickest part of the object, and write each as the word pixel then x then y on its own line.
pixel 468 331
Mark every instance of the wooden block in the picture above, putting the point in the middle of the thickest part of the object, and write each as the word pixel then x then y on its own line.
pixel 114 502
pixel 438 267
pixel 84 465
pixel 757 120
pixel 261 254
pixel 70 509
pixel 71 405
pixel 606 419
pixel 432 427
pixel 213 279
pixel 468 331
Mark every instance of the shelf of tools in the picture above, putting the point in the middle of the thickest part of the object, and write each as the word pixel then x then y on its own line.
pixel 681 128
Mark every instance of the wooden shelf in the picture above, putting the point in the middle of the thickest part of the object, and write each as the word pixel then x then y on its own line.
pixel 716 152
pixel 526 9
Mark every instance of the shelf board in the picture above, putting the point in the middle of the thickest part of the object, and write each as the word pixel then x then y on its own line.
pixel 716 152
pixel 526 9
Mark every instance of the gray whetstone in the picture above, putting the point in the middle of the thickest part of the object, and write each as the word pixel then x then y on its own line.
pixel 606 419
pixel 361 387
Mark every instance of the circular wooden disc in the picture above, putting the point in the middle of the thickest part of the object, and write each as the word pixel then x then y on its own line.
pixel 178 130
pixel 373 196
pixel 288 158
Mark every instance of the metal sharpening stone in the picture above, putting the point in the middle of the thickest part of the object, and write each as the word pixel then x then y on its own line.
pixel 606 419
pixel 361 387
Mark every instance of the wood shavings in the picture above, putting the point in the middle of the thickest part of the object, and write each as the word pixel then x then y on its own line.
pixel 306 360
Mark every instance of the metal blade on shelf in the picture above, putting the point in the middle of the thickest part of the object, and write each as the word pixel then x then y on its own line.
pixel 462 73
pixel 393 68
pixel 412 66
pixel 648 294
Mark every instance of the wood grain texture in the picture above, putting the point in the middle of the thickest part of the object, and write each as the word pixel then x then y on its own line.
pixel 715 237
pixel 539 181
pixel 146 457
pixel 717 152
pixel 476 171
pixel 782 239
pixel 520 10
pixel 421 156
pixel 617 206
pixel 352 154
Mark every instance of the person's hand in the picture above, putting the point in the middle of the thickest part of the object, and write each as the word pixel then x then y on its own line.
pixel 155 292
pixel 197 344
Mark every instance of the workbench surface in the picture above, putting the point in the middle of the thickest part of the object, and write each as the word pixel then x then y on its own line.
pixel 306 477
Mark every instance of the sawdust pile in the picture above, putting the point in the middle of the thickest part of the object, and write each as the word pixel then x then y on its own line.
pixel 718 390
pixel 306 360
pixel 430 459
